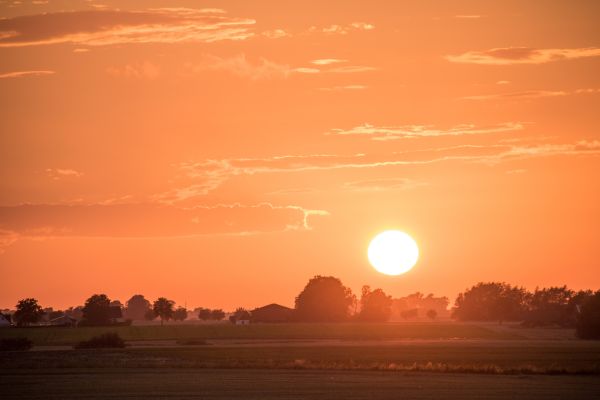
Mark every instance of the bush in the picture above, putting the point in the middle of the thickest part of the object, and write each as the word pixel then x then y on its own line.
pixel 109 340
pixel 15 344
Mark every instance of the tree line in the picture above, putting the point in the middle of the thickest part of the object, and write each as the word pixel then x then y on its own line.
pixel 326 299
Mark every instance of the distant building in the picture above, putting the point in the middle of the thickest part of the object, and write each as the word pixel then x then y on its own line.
pixel 63 320
pixel 272 313
pixel 4 320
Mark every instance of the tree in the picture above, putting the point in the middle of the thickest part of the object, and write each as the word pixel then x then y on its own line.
pixel 431 314
pixel 239 314
pixel 163 308
pixel 28 312
pixel 204 314
pixel 137 307
pixel 324 299
pixel 96 310
pixel 375 306
pixel 149 315
pixel 217 314
pixel 492 301
pixel 588 321
pixel 180 314
pixel 555 306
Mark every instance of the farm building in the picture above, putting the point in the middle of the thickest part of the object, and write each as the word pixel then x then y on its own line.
pixel 4 320
pixel 272 313
pixel 63 320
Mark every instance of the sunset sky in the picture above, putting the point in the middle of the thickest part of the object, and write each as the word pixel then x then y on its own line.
pixel 221 153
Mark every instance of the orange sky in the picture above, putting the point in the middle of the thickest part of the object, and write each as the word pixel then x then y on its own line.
pixel 221 153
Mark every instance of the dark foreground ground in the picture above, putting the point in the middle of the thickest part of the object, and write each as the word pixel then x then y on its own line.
pixel 300 361
pixel 287 384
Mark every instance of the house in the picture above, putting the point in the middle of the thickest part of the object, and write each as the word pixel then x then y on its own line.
pixel 63 320
pixel 272 313
pixel 4 320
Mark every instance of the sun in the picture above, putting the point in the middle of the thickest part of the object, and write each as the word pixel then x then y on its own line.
pixel 393 252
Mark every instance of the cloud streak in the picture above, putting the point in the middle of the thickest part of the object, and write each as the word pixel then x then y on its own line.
pixel 383 133
pixel 530 94
pixel 110 27
pixel 22 74
pixel 148 220
pixel 522 55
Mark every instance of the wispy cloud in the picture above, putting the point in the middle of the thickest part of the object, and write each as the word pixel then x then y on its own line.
pixel 109 27
pixel 210 174
pixel 59 173
pixel 342 29
pixel 144 70
pixel 327 61
pixel 415 131
pixel 522 55
pixel 530 94
pixel 22 74
pixel 262 68
pixel 343 88
pixel 148 220
pixel 383 184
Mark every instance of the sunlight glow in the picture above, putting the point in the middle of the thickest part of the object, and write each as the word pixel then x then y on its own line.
pixel 393 252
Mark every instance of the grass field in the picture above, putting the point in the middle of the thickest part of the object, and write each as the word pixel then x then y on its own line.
pixel 285 384
pixel 305 361
pixel 443 330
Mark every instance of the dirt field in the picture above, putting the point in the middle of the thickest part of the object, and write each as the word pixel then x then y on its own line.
pixel 286 384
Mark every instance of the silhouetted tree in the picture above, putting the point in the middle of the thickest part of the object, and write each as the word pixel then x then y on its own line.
pixel 588 320
pixel 431 314
pixel 239 314
pixel 163 308
pixel 550 306
pixel 96 310
pixel 204 314
pixel 217 314
pixel 137 307
pixel 149 315
pixel 180 314
pixel 324 299
pixel 491 301
pixel 28 312
pixel 55 314
pixel 375 306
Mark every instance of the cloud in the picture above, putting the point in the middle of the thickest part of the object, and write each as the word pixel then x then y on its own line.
pixel 342 29
pixel 530 94
pixel 239 65
pixel 276 33
pixel 109 27
pixel 522 55
pixel 145 70
pixel 208 175
pixel 148 220
pixel 415 131
pixel 343 88
pixel 327 61
pixel 262 68
pixel 383 184
pixel 59 173
pixel 22 74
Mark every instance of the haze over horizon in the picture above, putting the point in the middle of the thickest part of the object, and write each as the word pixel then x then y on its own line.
pixel 221 153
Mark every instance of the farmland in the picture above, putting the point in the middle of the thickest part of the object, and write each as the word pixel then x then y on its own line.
pixel 289 361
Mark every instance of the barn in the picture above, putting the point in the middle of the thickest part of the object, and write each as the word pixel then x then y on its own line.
pixel 272 313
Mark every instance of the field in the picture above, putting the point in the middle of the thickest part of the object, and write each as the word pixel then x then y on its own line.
pixel 304 361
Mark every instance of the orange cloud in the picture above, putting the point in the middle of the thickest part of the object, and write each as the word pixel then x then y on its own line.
pixel 147 220
pixel 383 184
pixel 109 27
pixel 145 70
pixel 530 94
pixel 342 29
pixel 414 131
pixel 21 74
pixel 58 173
pixel 522 55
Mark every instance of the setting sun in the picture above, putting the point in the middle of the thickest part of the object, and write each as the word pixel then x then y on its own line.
pixel 393 252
